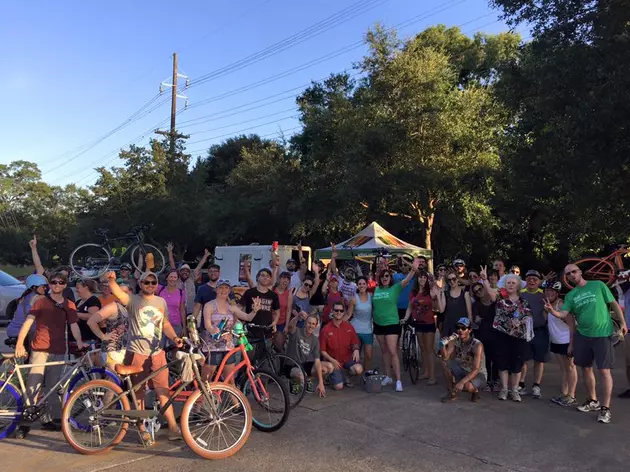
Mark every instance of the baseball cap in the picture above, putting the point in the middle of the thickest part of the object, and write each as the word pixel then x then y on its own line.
pixel 184 267
pixel 146 275
pixel 126 266
pixel 533 273
pixel 224 282
pixel 464 322
pixel 459 262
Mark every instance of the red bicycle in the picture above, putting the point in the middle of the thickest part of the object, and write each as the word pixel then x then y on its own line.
pixel 607 269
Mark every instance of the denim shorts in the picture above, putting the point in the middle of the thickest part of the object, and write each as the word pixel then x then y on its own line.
pixel 337 376
pixel 459 373
pixel 216 357
pixel 366 339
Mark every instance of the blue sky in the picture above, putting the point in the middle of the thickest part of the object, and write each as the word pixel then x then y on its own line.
pixel 75 70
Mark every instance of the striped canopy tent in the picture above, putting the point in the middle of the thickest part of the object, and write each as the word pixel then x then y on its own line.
pixel 369 242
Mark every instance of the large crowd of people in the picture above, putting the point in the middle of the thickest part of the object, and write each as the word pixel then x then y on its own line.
pixel 481 328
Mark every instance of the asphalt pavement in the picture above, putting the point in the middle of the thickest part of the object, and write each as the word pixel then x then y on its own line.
pixel 357 431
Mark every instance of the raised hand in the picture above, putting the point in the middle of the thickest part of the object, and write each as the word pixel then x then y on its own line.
pixel 206 253
pixel 111 276
pixel 334 250
pixel 548 305
pixel 315 268
pixel 483 273
pixel 170 246
pixel 549 276
pixel 416 264
pixel 33 242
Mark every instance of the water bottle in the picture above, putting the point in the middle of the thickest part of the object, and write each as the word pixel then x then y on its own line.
pixel 444 341
pixel 221 326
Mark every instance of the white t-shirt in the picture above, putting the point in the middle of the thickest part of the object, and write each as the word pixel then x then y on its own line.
pixel 347 289
pixel 559 332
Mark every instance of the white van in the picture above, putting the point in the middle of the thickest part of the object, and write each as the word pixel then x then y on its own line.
pixel 232 259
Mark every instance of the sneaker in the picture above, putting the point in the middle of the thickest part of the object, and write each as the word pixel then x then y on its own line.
pixel 22 432
pixel 496 386
pixel 296 388
pixel 51 426
pixel 310 386
pixel 475 397
pixel 604 415
pixel 175 435
pixel 516 396
pixel 399 386
pixel 589 405
pixel 503 394
pixel 487 387
pixel 625 394
pixel 449 397
pixel 522 391
pixel 558 400
pixel 387 381
pixel 536 392
pixel 568 401
pixel 432 382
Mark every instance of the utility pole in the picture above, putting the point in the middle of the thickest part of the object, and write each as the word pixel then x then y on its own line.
pixel 172 133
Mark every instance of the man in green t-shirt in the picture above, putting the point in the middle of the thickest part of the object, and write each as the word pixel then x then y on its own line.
pixel 589 304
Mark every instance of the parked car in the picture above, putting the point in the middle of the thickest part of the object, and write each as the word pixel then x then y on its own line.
pixel 10 289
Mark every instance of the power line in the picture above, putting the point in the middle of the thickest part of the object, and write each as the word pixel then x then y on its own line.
pixel 292 109
pixel 241 131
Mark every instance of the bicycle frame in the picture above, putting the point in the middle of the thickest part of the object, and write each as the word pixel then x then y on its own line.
pixel 256 383
pixel 106 243
pixel 617 257
pixel 79 365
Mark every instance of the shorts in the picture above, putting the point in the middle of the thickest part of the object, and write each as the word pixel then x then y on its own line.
pixel 387 330
pixel 424 327
pixel 560 349
pixel 337 376
pixel 538 348
pixel 509 352
pixel 459 373
pixel 113 357
pixel 216 357
pixel 308 368
pixel 280 328
pixel 586 350
pixel 402 312
pixel 149 364
pixel 366 339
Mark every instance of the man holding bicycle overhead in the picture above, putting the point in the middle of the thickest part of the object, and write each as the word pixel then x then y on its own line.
pixel 148 319
pixel 50 313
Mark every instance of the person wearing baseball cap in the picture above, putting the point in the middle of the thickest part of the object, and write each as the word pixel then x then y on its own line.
pixel 464 363
pixel 538 348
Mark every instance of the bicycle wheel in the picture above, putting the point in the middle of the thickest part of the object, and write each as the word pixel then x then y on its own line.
pixel 282 366
pixel 94 434
pixel 90 260
pixel 414 360
pixel 269 400
pixel 405 348
pixel 158 257
pixel 95 373
pixel 217 426
pixel 10 409
pixel 594 268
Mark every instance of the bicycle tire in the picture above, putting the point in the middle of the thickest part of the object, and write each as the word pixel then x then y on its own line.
pixel 10 395
pixel 414 363
pixel 102 371
pixel 158 258
pixel 282 408
pixel 605 271
pixel 216 390
pixel 69 431
pixel 95 270
pixel 405 348
pixel 282 367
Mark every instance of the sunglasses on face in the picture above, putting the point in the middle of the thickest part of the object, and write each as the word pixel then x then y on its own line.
pixel 462 328
pixel 338 311
pixel 452 279
pixel 442 269
pixel 57 282
pixel 150 282
pixel 308 285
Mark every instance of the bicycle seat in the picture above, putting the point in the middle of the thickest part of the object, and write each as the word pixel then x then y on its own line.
pixel 128 369
pixel 7 355
pixel 101 231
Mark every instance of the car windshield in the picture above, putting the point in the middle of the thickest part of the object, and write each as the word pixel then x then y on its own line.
pixel 7 280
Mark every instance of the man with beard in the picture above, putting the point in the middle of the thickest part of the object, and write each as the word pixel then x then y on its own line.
pixel 186 279
pixel 269 312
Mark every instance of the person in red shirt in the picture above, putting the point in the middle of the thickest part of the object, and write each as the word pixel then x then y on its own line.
pixel 50 313
pixel 339 345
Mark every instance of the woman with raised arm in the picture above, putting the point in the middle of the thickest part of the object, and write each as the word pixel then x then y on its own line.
pixel 458 304
pixel 386 320
pixel 360 315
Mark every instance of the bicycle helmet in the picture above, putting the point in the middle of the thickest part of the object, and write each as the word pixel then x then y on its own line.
pixel 557 286
pixel 35 280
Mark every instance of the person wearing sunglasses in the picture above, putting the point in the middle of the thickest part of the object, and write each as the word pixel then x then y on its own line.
pixel 463 364
pixel 360 315
pixel 301 306
pixel 148 322
pixel 589 304
pixel 339 345
pixel 483 311
pixel 440 276
pixel 387 325
pixel 460 270
pixel 50 313
pixel 458 303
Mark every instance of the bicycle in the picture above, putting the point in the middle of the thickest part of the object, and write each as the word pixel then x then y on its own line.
pixel 281 365
pixel 92 260
pixel 607 269
pixel 256 383
pixel 410 352
pixel 105 413
pixel 15 403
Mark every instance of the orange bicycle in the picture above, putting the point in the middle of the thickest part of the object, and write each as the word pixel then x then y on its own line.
pixel 607 269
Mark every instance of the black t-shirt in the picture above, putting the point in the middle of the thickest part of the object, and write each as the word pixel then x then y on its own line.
pixel 82 307
pixel 68 294
pixel 318 298
pixel 269 303
pixel 486 313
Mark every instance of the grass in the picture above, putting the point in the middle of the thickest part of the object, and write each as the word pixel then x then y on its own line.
pixel 17 271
